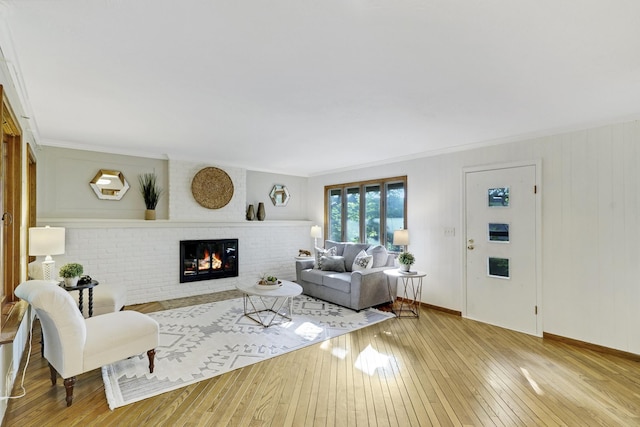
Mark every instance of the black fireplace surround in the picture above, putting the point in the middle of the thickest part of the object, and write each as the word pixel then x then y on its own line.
pixel 208 259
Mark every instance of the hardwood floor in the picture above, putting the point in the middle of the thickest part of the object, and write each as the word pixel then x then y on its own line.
pixel 437 370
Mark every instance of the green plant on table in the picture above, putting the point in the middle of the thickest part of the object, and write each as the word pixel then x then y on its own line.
pixel 72 269
pixel 406 258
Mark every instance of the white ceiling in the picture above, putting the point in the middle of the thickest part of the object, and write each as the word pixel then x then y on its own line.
pixel 303 87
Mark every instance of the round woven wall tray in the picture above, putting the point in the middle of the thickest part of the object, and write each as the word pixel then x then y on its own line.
pixel 212 188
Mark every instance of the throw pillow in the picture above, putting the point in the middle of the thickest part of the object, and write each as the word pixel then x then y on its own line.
pixel 338 245
pixel 332 263
pixel 324 252
pixel 362 262
pixel 380 256
pixel 351 250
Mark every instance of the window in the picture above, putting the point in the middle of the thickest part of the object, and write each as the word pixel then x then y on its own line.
pixel 366 212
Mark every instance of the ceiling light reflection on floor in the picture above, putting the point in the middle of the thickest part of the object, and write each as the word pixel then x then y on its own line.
pixel 370 359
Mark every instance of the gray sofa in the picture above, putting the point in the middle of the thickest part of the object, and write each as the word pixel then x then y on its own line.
pixel 358 289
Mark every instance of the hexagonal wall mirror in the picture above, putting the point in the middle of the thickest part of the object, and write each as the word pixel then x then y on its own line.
pixel 279 195
pixel 109 184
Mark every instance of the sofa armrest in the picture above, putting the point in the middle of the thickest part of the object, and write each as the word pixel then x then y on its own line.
pixel 303 264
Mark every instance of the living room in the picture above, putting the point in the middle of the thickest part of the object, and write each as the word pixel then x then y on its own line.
pixel 588 198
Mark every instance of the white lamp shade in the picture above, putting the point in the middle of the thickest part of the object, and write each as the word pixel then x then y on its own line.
pixel 401 237
pixel 316 232
pixel 46 240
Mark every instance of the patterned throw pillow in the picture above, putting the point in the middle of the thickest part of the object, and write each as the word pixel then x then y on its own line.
pixel 320 252
pixel 362 261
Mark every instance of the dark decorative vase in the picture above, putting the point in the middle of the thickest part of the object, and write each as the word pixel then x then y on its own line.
pixel 261 213
pixel 250 213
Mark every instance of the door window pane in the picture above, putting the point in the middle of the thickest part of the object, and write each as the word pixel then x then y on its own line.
pixel 335 215
pixel 499 197
pixel 498 267
pixel 498 232
pixel 353 214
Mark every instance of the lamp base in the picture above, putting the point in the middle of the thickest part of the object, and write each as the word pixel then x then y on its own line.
pixel 48 270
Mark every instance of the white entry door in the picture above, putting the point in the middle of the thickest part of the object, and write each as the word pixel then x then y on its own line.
pixel 501 264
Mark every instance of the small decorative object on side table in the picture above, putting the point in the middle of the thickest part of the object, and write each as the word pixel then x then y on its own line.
pixel 406 260
pixel 412 290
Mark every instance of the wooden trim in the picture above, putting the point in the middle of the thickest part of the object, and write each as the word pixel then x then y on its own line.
pixel 443 309
pixel 31 192
pixel 594 347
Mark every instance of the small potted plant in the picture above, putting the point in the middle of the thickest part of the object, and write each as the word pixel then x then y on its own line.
pixel 406 260
pixel 151 193
pixel 70 273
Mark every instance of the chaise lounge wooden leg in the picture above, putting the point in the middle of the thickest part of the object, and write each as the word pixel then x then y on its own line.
pixel 54 374
pixel 68 385
pixel 151 354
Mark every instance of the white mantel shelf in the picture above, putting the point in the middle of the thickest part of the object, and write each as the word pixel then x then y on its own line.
pixel 161 223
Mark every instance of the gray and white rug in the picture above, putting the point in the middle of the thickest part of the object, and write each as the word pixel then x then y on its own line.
pixel 203 341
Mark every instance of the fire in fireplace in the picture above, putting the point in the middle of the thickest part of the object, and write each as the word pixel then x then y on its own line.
pixel 208 259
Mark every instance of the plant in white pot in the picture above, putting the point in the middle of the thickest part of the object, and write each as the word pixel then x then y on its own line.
pixel 406 260
pixel 71 273
pixel 151 193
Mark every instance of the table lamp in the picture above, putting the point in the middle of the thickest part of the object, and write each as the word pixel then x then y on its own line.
pixel 316 233
pixel 401 238
pixel 46 241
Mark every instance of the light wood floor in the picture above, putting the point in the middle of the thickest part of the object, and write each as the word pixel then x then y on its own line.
pixel 438 370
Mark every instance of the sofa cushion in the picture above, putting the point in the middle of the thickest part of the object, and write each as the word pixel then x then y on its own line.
pixel 380 256
pixel 338 245
pixel 362 261
pixel 320 252
pixel 338 281
pixel 332 263
pixel 351 251
pixel 313 276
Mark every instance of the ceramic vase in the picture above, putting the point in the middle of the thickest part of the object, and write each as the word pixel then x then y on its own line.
pixel 150 214
pixel 405 267
pixel 261 213
pixel 71 281
pixel 250 213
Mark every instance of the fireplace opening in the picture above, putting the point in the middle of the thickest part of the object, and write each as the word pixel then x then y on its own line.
pixel 208 259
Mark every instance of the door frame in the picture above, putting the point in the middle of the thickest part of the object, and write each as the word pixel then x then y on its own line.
pixel 537 164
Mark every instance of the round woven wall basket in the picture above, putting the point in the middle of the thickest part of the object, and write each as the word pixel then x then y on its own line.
pixel 212 188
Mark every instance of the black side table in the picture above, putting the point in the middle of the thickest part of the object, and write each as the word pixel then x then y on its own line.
pixel 81 288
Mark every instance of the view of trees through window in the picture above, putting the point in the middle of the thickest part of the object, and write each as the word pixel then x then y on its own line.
pixel 366 212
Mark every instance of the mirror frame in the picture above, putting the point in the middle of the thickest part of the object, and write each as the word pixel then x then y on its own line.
pixel 104 191
pixel 280 195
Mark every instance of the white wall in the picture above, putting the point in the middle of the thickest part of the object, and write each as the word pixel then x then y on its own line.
pixel 590 227
pixel 259 185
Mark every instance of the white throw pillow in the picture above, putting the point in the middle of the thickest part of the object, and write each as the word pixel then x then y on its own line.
pixel 362 261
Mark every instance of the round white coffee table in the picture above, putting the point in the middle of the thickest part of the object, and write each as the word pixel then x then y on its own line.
pixel 269 306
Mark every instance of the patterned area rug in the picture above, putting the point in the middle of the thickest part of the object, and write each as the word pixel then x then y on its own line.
pixel 203 341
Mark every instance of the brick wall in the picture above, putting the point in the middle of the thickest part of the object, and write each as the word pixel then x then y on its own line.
pixel 146 258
